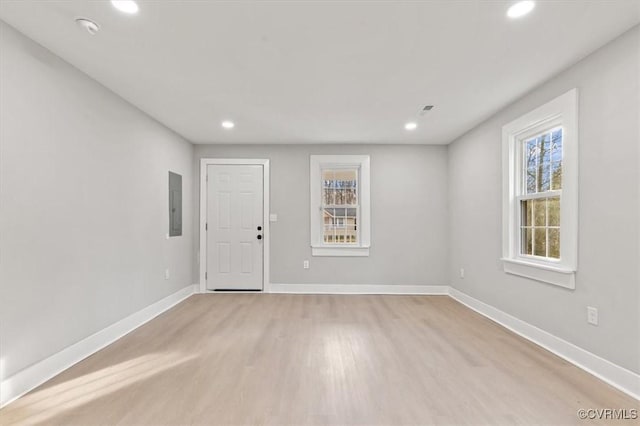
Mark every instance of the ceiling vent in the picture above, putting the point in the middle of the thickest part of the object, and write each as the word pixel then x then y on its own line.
pixel 88 25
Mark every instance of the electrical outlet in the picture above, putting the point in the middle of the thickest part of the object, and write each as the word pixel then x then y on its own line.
pixel 166 274
pixel 305 264
pixel 592 315
pixel 461 272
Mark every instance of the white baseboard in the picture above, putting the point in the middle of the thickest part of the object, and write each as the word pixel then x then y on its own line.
pixel 620 378
pixel 31 377
pixel 358 289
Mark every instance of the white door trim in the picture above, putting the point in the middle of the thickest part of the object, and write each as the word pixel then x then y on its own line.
pixel 204 162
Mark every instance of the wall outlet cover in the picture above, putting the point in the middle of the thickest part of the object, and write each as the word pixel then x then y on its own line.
pixel 592 315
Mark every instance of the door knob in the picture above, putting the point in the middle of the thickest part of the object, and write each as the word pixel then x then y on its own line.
pixel 259 236
pixel 259 228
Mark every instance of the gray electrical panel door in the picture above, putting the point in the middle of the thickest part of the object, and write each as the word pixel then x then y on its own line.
pixel 175 204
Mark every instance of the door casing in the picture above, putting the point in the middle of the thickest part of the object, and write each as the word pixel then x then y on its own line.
pixel 204 162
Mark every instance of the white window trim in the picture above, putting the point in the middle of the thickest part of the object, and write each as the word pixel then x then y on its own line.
pixel 316 164
pixel 561 110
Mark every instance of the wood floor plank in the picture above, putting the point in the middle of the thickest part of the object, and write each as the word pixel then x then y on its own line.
pixel 261 359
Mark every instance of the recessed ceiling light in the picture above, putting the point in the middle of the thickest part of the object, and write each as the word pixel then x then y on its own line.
pixel 410 126
pixel 520 9
pixel 87 24
pixel 126 6
pixel 228 124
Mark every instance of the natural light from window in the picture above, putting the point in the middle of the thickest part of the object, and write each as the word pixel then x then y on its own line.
pixel 540 199
pixel 340 206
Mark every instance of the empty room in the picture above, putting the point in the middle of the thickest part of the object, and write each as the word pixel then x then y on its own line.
pixel 319 212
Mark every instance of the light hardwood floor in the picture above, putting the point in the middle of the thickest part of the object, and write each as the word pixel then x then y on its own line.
pixel 304 359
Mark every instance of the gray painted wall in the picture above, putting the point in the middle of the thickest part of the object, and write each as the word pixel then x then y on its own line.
pixel 608 272
pixel 83 189
pixel 408 209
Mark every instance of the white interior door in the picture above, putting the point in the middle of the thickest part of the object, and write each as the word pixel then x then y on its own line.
pixel 234 227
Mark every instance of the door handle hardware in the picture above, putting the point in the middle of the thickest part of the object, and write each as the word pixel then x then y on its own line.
pixel 259 236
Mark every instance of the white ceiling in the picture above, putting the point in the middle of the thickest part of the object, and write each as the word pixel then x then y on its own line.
pixel 322 71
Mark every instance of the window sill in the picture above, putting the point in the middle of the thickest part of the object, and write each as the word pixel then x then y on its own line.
pixel 354 251
pixel 556 275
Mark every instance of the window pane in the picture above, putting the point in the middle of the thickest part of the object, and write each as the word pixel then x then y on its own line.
pixel 530 165
pixel 540 212
pixel 556 145
pixel 553 211
pixel 544 177
pixel 556 175
pixel 544 180
pixel 328 229
pixel 554 243
pixel 545 148
pixel 531 182
pixel 339 187
pixel 327 187
pixel 526 239
pixel 526 208
pixel 540 242
pixel 339 225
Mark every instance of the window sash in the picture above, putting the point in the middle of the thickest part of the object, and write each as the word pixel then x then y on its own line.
pixel 520 227
pixel 340 227
pixel 323 206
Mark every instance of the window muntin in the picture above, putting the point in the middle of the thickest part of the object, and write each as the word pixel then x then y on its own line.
pixel 539 198
pixel 340 206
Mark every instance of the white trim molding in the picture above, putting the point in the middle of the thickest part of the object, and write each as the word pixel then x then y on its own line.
pixel 340 251
pixel 31 377
pixel 559 112
pixel 562 277
pixel 620 378
pixel 432 290
pixel 266 222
